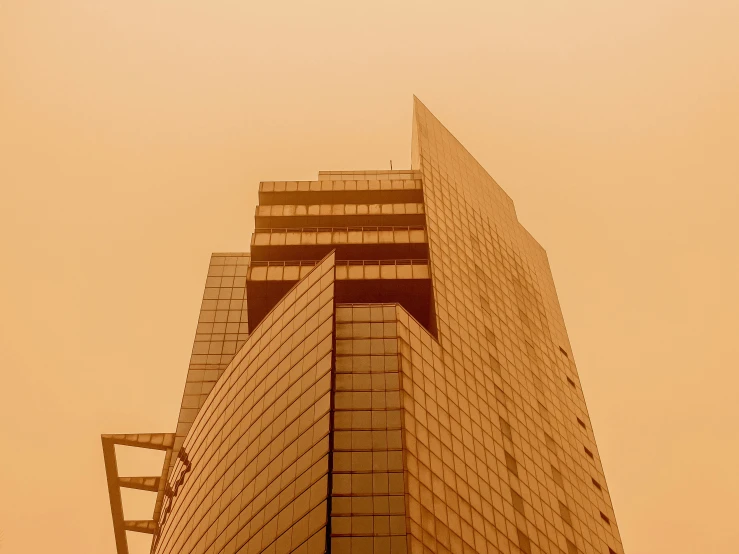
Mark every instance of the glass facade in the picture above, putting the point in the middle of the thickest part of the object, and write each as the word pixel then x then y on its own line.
pixel 222 330
pixel 257 455
pixel 368 488
pixel 387 371
pixel 507 398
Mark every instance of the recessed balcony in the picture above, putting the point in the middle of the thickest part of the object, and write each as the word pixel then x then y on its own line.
pixel 339 215
pixel 407 282
pixel 350 243
pixel 340 192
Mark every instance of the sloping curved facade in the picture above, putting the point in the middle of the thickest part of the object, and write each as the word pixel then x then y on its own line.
pixel 387 370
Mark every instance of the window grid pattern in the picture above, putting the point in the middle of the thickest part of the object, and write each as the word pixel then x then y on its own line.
pixel 222 329
pixel 252 475
pixel 500 330
pixel 368 502
pixel 476 439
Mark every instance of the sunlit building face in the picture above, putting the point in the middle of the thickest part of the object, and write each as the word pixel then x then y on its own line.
pixel 386 371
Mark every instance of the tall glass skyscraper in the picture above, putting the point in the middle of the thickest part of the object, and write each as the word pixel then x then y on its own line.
pixel 386 371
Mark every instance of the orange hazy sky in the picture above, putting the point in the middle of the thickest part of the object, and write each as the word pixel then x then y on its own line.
pixel 133 136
